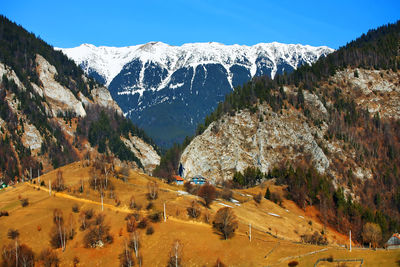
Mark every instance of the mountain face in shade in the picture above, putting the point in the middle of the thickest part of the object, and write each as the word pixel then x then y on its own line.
pixel 167 90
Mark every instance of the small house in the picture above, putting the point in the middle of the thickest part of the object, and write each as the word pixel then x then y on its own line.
pixel 178 180
pixel 198 180
pixel 393 242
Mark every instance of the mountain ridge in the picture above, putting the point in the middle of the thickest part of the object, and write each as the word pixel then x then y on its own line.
pixel 87 54
pixel 167 90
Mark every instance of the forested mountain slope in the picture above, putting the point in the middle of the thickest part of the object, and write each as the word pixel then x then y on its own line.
pixel 330 131
pixel 51 114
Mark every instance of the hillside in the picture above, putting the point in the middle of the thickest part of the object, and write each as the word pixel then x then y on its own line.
pixel 167 90
pixel 330 131
pixel 52 114
pixel 276 229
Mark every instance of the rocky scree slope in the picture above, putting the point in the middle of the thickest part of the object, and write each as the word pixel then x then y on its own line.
pixel 167 90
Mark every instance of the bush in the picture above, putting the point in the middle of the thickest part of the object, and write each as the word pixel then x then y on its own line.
pixel 142 224
pixel 155 217
pixel 276 198
pixel 150 230
pixel 293 263
pixel 89 214
pixel 149 206
pixel 226 194
pixel 188 186
pixel 98 236
pixel 49 258
pixel 257 198
pixel 24 202
pixel 3 213
pixel 316 239
pixel 75 208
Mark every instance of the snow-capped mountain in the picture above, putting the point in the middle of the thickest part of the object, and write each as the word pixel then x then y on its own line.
pixel 168 90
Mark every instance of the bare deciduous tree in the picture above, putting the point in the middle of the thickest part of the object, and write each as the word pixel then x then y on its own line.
pixel 194 210
pixel 14 234
pixel 152 188
pixel 125 258
pixel 49 258
pixel 134 242
pixel 58 184
pixel 175 256
pixel 208 193
pixel 59 232
pixel 225 222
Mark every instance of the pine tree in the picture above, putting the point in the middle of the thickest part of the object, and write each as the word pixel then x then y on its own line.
pixel 267 194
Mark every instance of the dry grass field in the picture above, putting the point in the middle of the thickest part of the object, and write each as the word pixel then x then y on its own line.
pixel 275 240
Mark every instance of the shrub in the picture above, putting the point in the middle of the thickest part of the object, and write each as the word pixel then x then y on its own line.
pixel 3 213
pixel 24 202
pixel 150 230
pixel 276 198
pixel 75 208
pixel 293 263
pixel 188 186
pixel 257 198
pixel 316 239
pixel 49 258
pixel 226 194
pixel 89 214
pixel 98 236
pixel 219 263
pixel 149 206
pixel 142 224
pixel 76 261
pixel 155 216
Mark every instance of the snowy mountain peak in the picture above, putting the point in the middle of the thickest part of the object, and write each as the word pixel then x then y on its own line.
pixel 109 61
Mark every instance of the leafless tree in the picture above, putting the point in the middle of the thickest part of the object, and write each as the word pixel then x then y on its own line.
pixel 49 258
pixel 175 256
pixel 225 222
pixel 219 263
pixel 14 234
pixel 132 203
pixel 25 256
pixel 134 242
pixel 194 210
pixel 58 234
pixel 125 258
pixel 58 184
pixel 71 226
pixel 208 193
pixel 152 188
pixel 130 224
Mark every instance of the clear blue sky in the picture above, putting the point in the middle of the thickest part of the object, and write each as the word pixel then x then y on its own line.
pixel 122 23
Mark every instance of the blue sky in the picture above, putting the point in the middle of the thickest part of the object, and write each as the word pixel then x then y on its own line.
pixel 122 23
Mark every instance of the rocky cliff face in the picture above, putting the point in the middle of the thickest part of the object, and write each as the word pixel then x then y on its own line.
pixel 265 138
